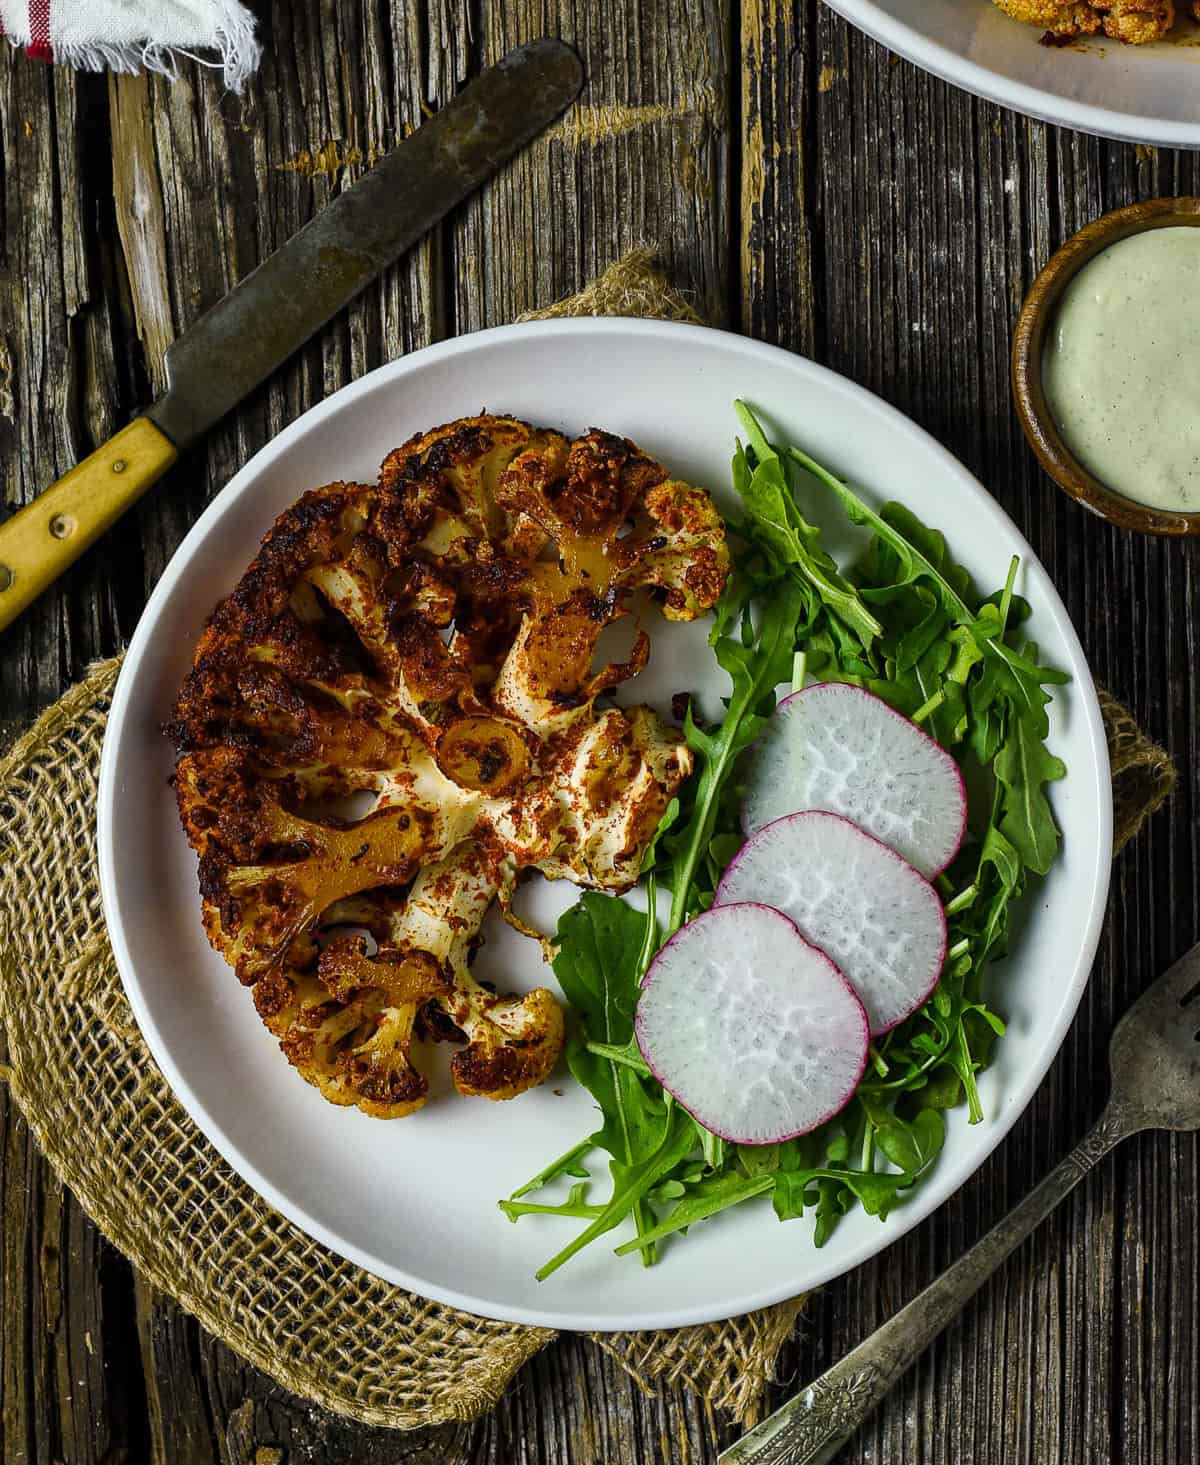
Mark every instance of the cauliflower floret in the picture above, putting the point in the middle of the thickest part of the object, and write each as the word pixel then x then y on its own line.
pixel 348 1026
pixel 1133 21
pixel 426 646
pixel 267 875
pixel 512 1042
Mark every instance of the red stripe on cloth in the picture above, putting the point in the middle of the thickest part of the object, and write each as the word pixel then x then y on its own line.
pixel 39 31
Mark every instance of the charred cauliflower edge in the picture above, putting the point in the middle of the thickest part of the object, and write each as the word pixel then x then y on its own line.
pixel 1136 22
pixel 427 642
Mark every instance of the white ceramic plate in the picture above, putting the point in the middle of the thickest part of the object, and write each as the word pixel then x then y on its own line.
pixel 1137 93
pixel 415 1200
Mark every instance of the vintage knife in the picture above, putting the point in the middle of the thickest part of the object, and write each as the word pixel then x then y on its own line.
pixel 292 294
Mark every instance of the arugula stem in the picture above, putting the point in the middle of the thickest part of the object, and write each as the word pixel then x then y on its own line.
pixel 799 670
pixel 1023 690
pixel 712 1146
pixel 1006 597
pixel 650 943
pixel 968 1077
pixel 556 1167
pixel 701 833
pixel 629 1195
pixel 617 1055
pixel 905 1081
pixel 868 1148
pixel 513 1209
pixel 929 706
pixel 687 1215
pixel 962 900
pixel 724 749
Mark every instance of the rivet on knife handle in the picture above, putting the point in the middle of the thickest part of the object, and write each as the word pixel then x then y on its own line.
pixel 42 539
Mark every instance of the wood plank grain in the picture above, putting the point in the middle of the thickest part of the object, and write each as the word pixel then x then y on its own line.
pixel 644 156
pixel 574 1404
pixel 778 144
pixel 58 356
pixel 62 1290
pixel 208 186
pixel 208 1407
pixel 64 1321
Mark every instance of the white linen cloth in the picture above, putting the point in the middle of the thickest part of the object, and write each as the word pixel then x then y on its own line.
pixel 126 35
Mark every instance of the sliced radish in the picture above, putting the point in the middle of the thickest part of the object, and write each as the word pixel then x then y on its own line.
pixel 858 901
pixel 835 747
pixel 753 1030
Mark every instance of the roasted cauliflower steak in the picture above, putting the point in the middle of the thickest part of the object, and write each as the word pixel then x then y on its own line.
pixel 394 714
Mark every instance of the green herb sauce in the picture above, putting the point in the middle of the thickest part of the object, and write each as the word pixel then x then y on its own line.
pixel 1120 369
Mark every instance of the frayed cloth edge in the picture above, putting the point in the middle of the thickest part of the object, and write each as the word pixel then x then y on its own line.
pixel 233 39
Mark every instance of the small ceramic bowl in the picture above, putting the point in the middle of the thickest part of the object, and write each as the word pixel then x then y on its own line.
pixel 1037 318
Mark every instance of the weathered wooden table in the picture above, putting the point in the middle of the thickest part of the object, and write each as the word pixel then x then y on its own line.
pixel 811 190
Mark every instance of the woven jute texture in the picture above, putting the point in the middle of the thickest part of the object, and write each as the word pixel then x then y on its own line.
pixel 116 1135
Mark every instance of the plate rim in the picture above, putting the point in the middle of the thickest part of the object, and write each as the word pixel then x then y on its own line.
pixel 1030 101
pixel 560 1315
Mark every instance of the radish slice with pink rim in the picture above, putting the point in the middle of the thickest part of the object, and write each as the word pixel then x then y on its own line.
pixel 853 898
pixel 754 1031
pixel 838 748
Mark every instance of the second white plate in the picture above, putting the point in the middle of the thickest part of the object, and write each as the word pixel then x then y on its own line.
pixel 1138 93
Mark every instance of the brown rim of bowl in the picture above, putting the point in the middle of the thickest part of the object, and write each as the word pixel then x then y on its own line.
pixel 1029 342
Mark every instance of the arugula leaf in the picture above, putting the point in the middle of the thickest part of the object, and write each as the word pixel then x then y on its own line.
pixel 570 1163
pixel 575 1205
pixel 876 1191
pixel 701 1200
pixel 598 966
pixel 768 499
pixel 833 1188
pixel 1022 678
pixel 759 1160
pixel 912 1147
pixel 1023 765
pixel 630 1183
pixel 754 673
pixel 942 1090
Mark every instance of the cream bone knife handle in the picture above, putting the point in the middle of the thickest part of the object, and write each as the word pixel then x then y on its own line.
pixel 39 541
pixel 811 1428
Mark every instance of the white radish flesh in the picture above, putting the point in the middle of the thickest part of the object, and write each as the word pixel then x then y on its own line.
pixel 835 747
pixel 754 1031
pixel 858 901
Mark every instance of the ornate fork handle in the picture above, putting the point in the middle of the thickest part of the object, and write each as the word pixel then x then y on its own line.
pixel 811 1428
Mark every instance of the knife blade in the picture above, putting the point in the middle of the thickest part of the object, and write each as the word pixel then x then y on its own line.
pixel 293 293
pixel 269 314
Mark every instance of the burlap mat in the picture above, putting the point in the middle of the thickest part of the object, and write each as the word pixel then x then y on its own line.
pixel 115 1134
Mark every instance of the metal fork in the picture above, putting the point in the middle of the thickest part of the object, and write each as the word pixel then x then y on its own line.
pixel 1154 1059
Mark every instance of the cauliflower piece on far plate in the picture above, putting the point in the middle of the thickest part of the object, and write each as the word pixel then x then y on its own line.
pixel 1132 21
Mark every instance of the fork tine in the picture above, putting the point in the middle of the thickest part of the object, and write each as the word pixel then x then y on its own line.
pixel 1154 1057
pixel 1180 981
